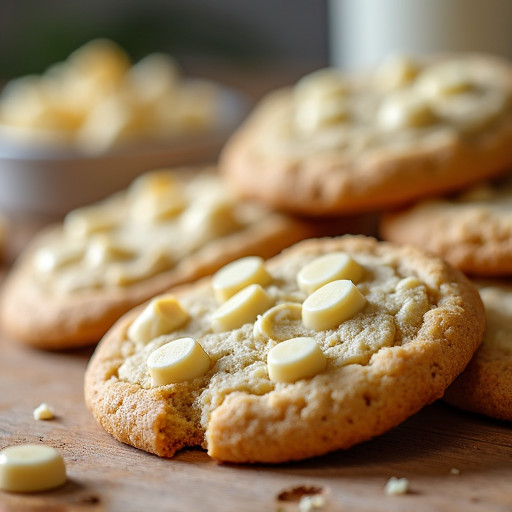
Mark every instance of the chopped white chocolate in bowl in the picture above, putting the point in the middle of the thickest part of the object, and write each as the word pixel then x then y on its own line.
pixel 97 99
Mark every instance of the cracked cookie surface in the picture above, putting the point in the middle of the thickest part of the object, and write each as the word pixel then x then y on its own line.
pixel 344 143
pixel 418 326
pixel 168 227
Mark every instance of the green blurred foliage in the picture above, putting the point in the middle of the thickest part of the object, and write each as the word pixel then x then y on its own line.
pixel 35 34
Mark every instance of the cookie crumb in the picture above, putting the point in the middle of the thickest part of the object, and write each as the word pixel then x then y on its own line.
pixel 313 503
pixel 43 412
pixel 454 471
pixel 299 492
pixel 397 486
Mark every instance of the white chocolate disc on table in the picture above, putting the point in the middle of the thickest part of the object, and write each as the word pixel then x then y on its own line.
pixel 31 468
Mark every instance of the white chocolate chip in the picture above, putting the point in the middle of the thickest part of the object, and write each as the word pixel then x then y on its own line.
pixel 162 315
pixel 445 80
pixel 320 100
pixel 322 83
pixel 241 308
pixel 177 361
pixel 104 249
pixel 405 109
pixel 210 219
pixel 90 219
pixel 111 121
pixel 237 275
pixel 331 305
pixel 396 486
pixel 51 258
pixel 156 196
pixel 327 268
pixel 294 359
pixel 31 468
pixel 153 77
pixel 149 264
pixel 313 115
pixel 396 71
pixel 43 412
pixel 276 318
pixel 472 112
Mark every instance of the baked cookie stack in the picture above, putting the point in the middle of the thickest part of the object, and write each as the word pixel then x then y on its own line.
pixel 329 343
pixel 472 230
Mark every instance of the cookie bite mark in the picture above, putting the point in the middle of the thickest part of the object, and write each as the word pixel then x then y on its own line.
pixel 277 388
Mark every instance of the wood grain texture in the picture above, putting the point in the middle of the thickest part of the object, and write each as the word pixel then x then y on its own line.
pixel 105 475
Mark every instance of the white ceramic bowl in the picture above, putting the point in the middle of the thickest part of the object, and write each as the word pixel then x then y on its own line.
pixel 49 180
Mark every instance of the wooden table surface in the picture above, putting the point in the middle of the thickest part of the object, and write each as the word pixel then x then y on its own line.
pixel 454 461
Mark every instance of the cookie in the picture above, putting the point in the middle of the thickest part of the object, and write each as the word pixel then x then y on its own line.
pixel 343 143
pixel 472 230
pixel 485 386
pixel 169 227
pixel 330 343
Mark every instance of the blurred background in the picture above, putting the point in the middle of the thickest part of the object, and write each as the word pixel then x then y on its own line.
pixel 220 33
pixel 250 47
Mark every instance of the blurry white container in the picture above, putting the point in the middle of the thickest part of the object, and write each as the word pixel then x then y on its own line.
pixel 363 32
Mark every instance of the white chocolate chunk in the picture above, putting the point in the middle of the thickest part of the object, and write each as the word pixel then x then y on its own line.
pixel 396 71
pixel 43 412
pixel 177 361
pixel 31 468
pixel 210 219
pixel 104 249
pixel 331 305
pixel 272 321
pixel 237 275
pixel 241 308
pixel 322 83
pixel 149 264
pixel 156 196
pixel 327 268
pixel 445 80
pixel 294 359
pixel 162 315
pixel 50 258
pixel 405 109
pixel 472 112
pixel 315 114
pixel 91 219
pixel 153 78
pixel 110 121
